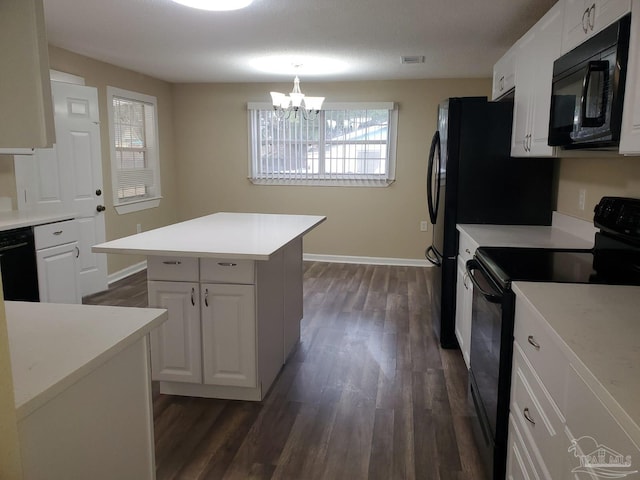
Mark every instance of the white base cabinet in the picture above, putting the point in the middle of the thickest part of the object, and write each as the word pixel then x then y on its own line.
pixel 232 323
pixel 556 420
pixel 57 255
pixel 464 295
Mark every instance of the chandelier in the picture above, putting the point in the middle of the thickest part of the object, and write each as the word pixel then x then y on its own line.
pixel 285 106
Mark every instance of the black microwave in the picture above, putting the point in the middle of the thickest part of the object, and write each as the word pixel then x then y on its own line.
pixel 588 91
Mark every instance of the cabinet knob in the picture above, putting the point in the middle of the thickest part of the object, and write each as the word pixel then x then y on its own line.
pixel 101 208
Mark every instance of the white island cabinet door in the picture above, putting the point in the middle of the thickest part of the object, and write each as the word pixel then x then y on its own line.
pixel 176 344
pixel 229 335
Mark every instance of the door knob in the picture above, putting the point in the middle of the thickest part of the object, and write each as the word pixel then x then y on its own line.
pixel 101 208
pixel 98 192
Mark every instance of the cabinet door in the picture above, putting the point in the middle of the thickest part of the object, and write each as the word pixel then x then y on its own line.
pixel 464 300
pixel 630 134
pixel 504 73
pixel 522 101
pixel 576 23
pixel 229 335
pixel 58 274
pixel 175 345
pixel 546 49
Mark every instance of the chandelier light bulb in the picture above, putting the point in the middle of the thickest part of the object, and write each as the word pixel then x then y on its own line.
pixel 283 104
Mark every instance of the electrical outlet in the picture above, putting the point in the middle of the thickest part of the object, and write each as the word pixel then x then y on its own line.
pixel 582 194
pixel 138 228
pixel 424 225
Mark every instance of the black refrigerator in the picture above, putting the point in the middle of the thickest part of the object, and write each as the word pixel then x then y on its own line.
pixel 471 178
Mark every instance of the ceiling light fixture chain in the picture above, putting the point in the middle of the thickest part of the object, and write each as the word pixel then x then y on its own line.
pixel 284 106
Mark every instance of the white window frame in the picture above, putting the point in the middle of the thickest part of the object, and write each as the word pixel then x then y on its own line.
pixel 350 181
pixel 153 152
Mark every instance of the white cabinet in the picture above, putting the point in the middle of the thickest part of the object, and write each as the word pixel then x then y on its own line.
pixel 176 344
pixel 57 255
pixel 584 18
pixel 504 73
pixel 464 295
pixel 536 52
pixel 556 420
pixel 232 323
pixel 630 133
pixel 228 335
pixel 464 301
pixel 26 112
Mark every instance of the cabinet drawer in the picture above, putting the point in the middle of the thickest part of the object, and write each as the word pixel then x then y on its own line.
pixel 536 414
pixel 177 269
pixel 519 463
pixel 219 270
pixel 531 332
pixel 466 247
pixel 53 234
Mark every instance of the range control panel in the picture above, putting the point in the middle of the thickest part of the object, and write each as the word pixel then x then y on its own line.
pixel 618 215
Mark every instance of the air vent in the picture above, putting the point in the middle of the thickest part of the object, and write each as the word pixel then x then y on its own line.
pixel 412 59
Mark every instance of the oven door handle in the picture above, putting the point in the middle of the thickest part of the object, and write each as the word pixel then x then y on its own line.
pixel 14 246
pixel 472 266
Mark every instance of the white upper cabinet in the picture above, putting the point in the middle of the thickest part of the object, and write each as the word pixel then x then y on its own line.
pixel 536 52
pixel 584 18
pixel 504 73
pixel 26 113
pixel 630 134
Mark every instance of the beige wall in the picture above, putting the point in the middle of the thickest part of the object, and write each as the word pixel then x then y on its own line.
pixel 598 176
pixel 99 74
pixel 211 129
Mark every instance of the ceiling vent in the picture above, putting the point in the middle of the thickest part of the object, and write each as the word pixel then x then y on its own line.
pixel 412 59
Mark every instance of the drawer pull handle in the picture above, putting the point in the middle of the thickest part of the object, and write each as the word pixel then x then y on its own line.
pixel 527 416
pixel 206 297
pixel 59 232
pixel 193 297
pixel 77 252
pixel 227 264
pixel 535 344
pixel 172 262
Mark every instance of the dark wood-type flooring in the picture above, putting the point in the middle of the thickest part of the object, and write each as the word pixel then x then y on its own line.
pixel 367 393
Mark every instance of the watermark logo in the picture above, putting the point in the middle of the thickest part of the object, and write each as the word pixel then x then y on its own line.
pixel 599 460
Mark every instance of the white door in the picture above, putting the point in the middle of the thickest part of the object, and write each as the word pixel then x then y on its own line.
pixel 228 335
pixel 80 162
pixel 176 345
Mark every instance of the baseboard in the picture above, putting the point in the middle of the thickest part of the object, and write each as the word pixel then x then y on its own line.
pixel 396 262
pixel 125 272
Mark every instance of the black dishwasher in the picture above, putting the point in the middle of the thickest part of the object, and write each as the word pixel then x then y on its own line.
pixel 18 265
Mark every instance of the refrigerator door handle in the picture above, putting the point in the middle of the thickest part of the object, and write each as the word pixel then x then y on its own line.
pixel 431 254
pixel 433 200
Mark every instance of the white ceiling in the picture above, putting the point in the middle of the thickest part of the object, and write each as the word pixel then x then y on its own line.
pixel 361 39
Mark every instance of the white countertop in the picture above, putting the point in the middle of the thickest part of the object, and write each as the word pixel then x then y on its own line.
pixel 250 236
pixel 598 328
pixel 54 345
pixel 17 219
pixel 523 236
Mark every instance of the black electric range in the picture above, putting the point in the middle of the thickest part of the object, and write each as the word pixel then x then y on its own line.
pixel 614 260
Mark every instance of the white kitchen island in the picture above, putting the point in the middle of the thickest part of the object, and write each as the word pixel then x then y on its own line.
pixel 82 389
pixel 232 283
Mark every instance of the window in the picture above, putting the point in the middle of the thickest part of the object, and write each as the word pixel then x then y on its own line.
pixel 347 144
pixel 135 165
